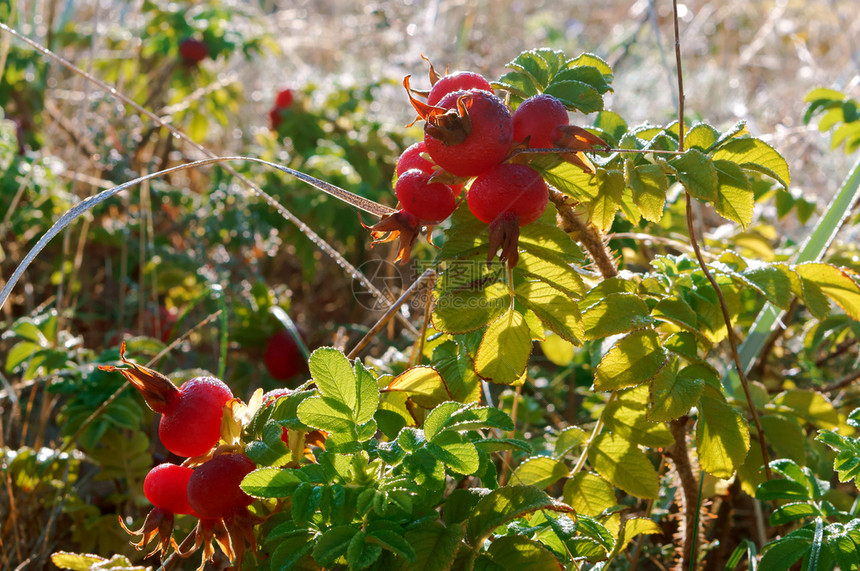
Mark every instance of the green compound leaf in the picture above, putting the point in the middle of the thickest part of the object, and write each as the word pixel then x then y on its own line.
pixel 587 74
pixel 515 552
pixel 589 494
pixel 504 505
pixel 616 313
pixel 755 155
pixel 722 435
pixel 435 546
pixel 633 360
pixel 333 375
pixel 624 465
pixel 649 184
pixel 735 199
pixel 540 471
pixel 504 350
pixel 697 173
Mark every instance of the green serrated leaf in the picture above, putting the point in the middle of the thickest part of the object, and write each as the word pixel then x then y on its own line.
pixel 456 452
pixel 504 350
pixel 603 207
pixel 649 185
pixel 616 313
pixel 755 155
pixel 589 494
pixel 334 376
pixel 576 95
pixel 633 360
pixel 392 541
pixel 540 471
pixel 837 284
pixel 696 172
pixel 367 394
pixel 333 544
pixel 438 418
pixel 360 554
pixel 457 311
pixel 673 393
pixel 435 546
pixel 326 413
pixel 557 311
pixel 503 505
pixel 735 199
pixel 722 435
pixel 515 552
pixel 624 465
pixel 272 482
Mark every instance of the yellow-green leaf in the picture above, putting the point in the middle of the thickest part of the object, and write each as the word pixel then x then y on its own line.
pixel 635 359
pixel 558 350
pixel 696 172
pixel 636 526
pixel 735 200
pixel 755 155
pixel 811 406
pixel 540 471
pixel 605 204
pixel 836 283
pixel 423 384
pixel 463 311
pixel 588 494
pixel 556 310
pixel 615 313
pixel 673 394
pixel 505 348
pixel 649 185
pixel 722 435
pixel 624 465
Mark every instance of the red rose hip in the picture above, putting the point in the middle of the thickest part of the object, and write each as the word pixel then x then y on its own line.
pixel 166 487
pixel 537 119
pixel 508 188
pixel 213 489
pixel 429 202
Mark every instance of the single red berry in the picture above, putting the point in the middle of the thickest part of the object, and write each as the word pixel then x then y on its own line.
pixel 166 487
pixel 283 358
pixel 191 422
pixel 193 51
pixel 284 98
pixel 213 489
pixel 538 118
pixel 459 80
pixel 429 202
pixel 411 159
pixel 508 188
pixel 475 134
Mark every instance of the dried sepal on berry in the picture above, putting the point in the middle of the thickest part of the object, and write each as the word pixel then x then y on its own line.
pixel 504 235
pixel 156 389
pixel 157 525
pixel 400 225
pixel 576 140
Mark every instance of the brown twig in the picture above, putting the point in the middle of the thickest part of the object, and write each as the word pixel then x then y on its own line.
pixel 842 383
pixel 584 233
pixel 680 456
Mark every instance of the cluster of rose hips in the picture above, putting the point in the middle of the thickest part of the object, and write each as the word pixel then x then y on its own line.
pixel 472 140
pixel 206 485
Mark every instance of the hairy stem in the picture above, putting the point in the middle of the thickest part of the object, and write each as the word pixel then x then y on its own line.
pixel 584 233
pixel 680 456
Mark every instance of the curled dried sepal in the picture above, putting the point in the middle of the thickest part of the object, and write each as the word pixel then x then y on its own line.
pixel 434 75
pixel 576 140
pixel 504 234
pixel 400 225
pixel 231 533
pixel 157 390
pixel 158 524
pixel 450 126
